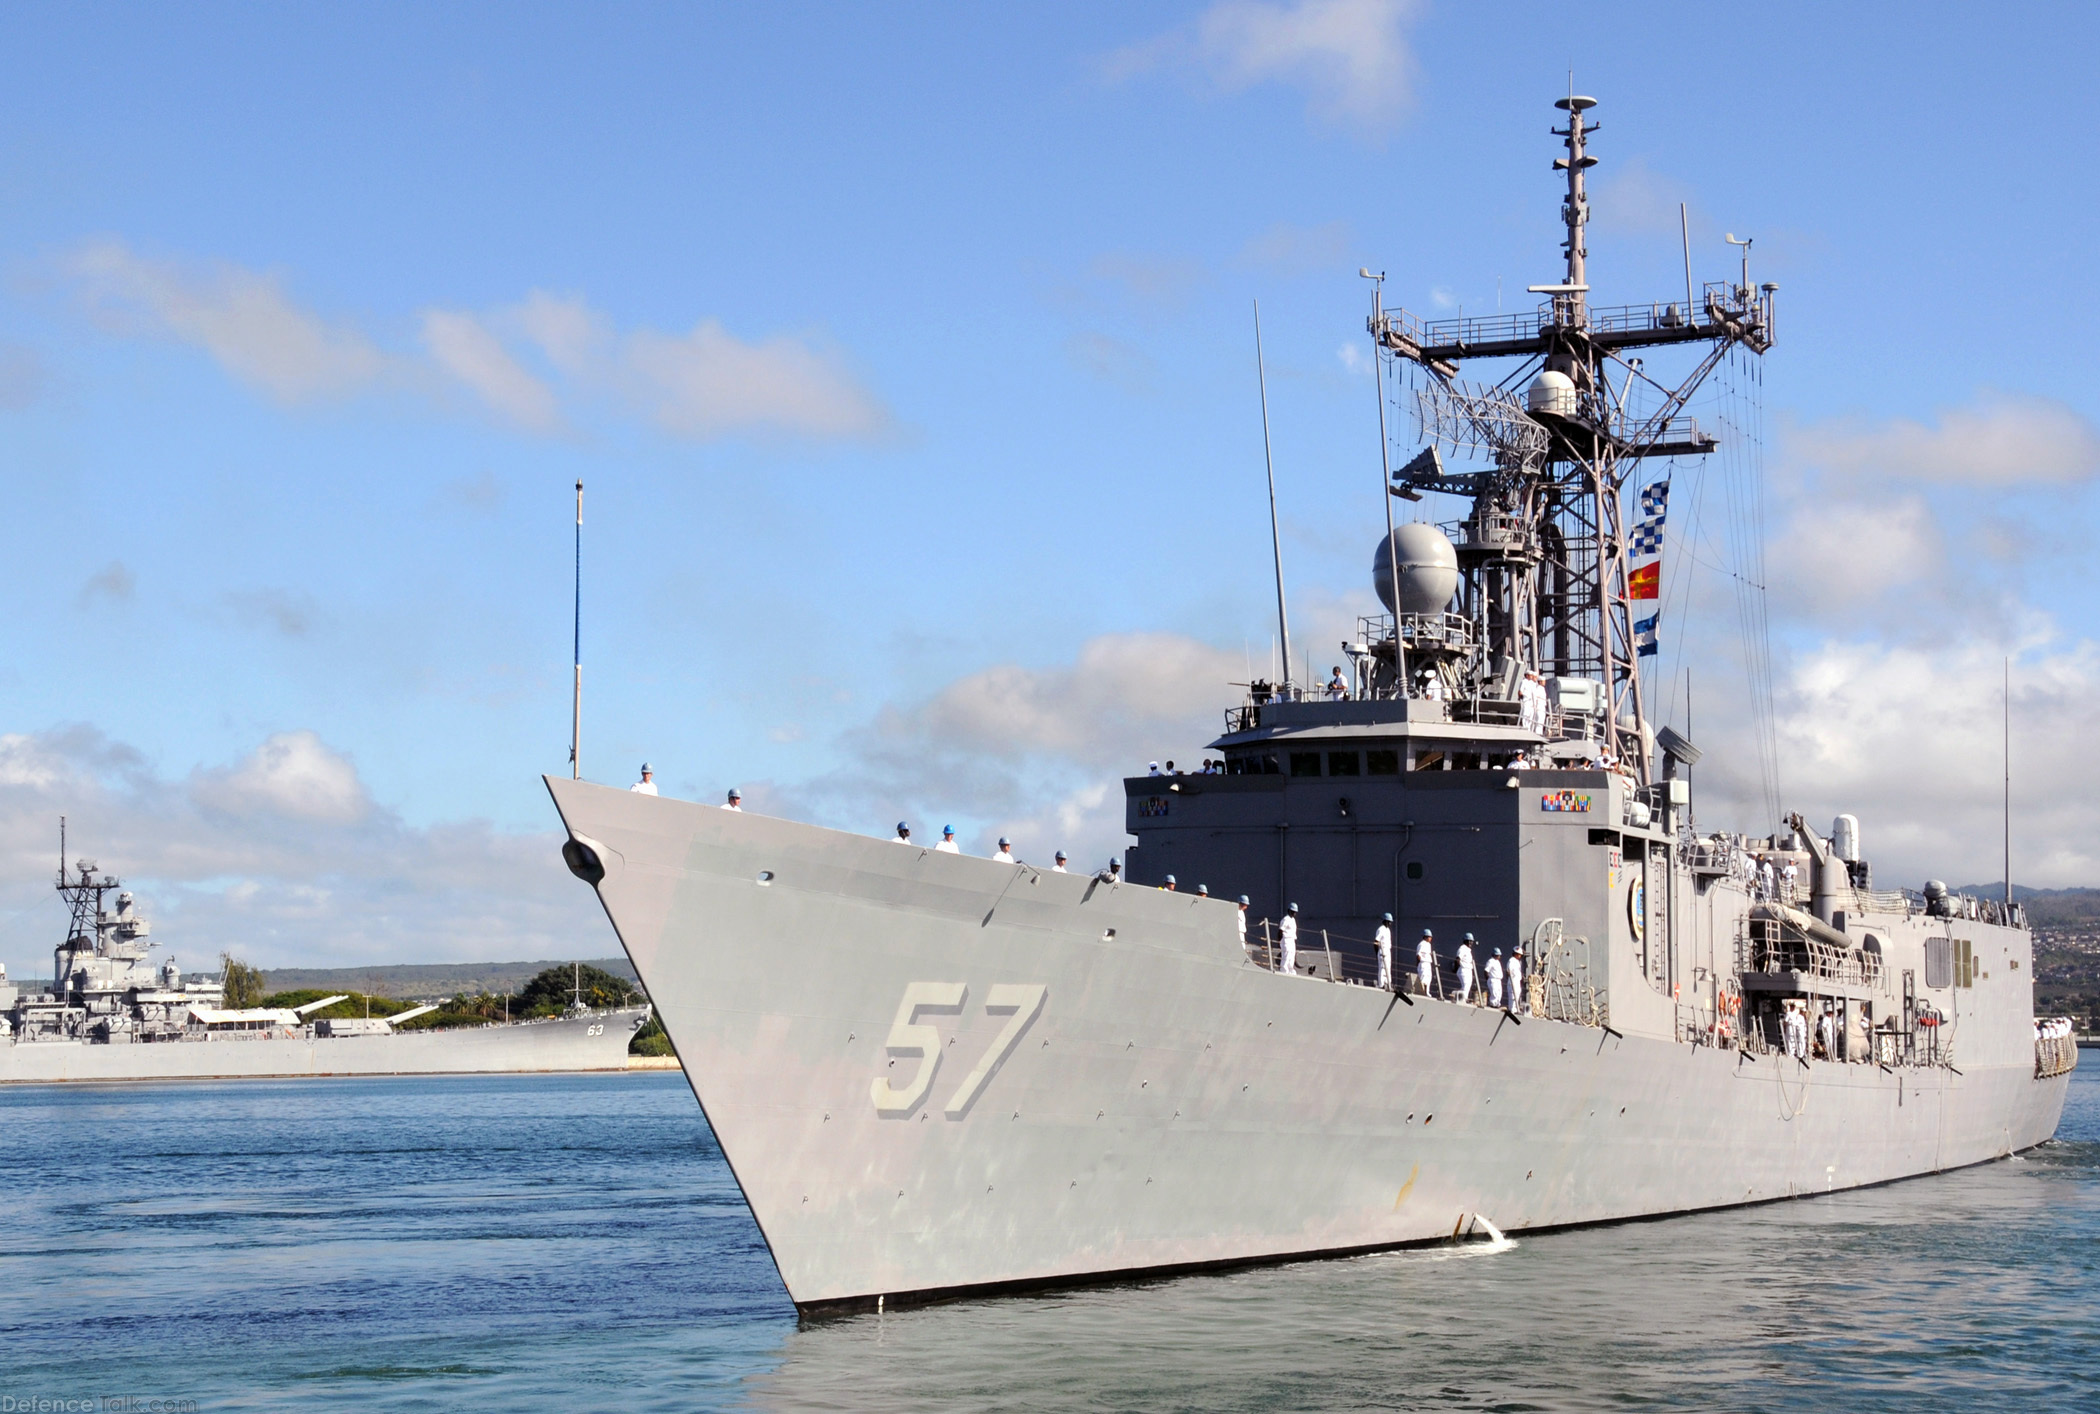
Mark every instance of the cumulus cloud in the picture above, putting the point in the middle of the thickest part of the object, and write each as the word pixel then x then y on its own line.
pixel 281 857
pixel 529 363
pixel 1350 56
pixel 242 318
pixel 1999 440
pixel 1036 752
pixel 1906 736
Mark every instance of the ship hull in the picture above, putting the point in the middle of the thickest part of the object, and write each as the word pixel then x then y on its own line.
pixel 596 1042
pixel 935 1074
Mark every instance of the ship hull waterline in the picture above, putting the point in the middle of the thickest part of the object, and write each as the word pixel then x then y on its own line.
pixel 934 1075
pixel 557 1045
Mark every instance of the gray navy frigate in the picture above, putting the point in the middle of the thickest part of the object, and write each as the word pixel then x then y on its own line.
pixel 109 1013
pixel 937 1075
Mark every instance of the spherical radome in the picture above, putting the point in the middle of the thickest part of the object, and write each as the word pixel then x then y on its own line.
pixel 1428 569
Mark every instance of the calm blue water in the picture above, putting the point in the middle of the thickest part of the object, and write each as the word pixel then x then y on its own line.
pixel 514 1242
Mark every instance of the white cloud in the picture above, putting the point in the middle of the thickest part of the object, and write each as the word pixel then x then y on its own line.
pixel 242 318
pixel 1036 753
pixel 1907 738
pixel 1350 56
pixel 710 384
pixel 292 775
pixel 281 857
pixel 701 385
pixel 1999 440
pixel 463 347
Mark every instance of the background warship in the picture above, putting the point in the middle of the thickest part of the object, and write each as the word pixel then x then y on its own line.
pixel 934 1074
pixel 111 1014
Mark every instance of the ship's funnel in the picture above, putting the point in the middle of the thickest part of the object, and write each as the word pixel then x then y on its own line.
pixel 1428 569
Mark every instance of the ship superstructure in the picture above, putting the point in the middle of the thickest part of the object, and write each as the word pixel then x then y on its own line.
pixel 935 1074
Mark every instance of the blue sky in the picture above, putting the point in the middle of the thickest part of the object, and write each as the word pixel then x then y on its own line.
pixel 907 357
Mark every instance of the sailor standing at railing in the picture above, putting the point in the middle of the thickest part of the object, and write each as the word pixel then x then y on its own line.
pixel 1516 979
pixel 1384 940
pixel 1465 969
pixel 1241 919
pixel 1425 962
pixel 1287 959
pixel 1494 979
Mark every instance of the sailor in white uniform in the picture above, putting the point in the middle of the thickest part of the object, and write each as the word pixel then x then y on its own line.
pixel 1465 969
pixel 1006 851
pixel 1059 867
pixel 1240 917
pixel 903 833
pixel 1384 939
pixel 1425 963
pixel 647 784
pixel 1494 979
pixel 1287 960
pixel 947 844
pixel 1515 970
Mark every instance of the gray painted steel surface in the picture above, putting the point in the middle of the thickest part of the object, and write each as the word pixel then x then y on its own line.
pixel 1109 1084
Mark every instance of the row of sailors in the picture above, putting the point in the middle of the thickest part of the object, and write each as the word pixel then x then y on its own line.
pixel 2054 1028
pixel 1497 984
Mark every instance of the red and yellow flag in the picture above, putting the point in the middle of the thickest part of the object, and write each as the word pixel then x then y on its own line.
pixel 1645 581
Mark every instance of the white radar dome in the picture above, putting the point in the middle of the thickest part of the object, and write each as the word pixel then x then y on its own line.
pixel 1428 569
pixel 1552 392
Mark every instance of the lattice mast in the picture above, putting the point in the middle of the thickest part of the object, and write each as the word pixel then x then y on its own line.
pixel 1544 551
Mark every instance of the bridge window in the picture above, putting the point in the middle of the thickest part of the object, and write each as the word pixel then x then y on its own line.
pixel 1305 763
pixel 1342 763
pixel 1381 763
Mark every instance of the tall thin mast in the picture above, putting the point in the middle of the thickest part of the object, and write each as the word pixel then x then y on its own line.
pixel 2008 789
pixel 1385 480
pixel 576 707
pixel 1283 624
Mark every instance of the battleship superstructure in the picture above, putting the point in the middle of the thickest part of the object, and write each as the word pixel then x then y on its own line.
pixel 110 1014
pixel 936 1074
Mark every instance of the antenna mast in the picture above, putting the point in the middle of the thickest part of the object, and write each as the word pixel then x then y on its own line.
pixel 1283 626
pixel 576 705
pixel 1545 554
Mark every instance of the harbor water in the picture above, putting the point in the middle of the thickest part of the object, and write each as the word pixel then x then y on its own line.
pixel 517 1242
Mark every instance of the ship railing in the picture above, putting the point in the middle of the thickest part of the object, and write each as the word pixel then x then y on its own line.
pixel 1563 994
pixel 2055 1051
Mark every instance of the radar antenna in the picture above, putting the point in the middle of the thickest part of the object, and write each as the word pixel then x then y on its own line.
pixel 1545 549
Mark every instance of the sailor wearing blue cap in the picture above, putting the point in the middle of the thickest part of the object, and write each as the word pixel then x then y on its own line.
pixel 1059 867
pixel 1240 917
pixel 947 844
pixel 735 801
pixel 1494 979
pixel 1465 969
pixel 1006 851
pixel 903 833
pixel 1384 939
pixel 647 784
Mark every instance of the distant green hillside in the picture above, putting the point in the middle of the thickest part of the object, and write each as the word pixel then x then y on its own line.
pixel 430 981
pixel 2047 908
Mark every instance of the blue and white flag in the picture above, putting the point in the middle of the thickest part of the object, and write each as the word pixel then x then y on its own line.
pixel 1648 531
pixel 1644 643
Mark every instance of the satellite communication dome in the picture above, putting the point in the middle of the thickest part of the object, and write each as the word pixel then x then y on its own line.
pixel 1428 569
pixel 1552 392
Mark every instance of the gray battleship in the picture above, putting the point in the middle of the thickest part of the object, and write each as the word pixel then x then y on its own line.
pixel 110 1013
pixel 937 1075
